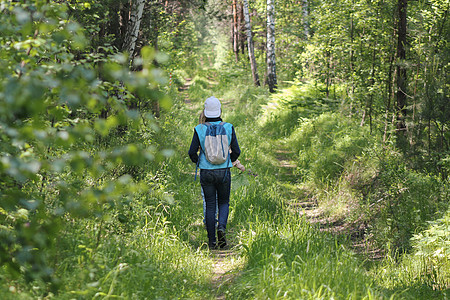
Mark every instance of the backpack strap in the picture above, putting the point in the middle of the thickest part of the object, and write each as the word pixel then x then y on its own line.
pixel 198 162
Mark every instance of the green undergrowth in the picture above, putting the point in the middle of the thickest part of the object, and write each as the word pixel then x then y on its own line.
pixel 369 185
pixel 425 268
pixel 95 261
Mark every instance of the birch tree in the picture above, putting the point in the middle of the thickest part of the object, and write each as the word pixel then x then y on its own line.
pixel 271 66
pixel 132 33
pixel 251 49
pixel 235 31
pixel 305 13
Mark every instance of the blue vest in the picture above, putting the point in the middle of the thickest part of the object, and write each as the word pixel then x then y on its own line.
pixel 203 162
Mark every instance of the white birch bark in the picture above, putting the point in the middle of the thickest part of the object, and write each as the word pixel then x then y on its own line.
pixel 251 49
pixel 131 36
pixel 271 65
pixel 305 12
pixel 235 31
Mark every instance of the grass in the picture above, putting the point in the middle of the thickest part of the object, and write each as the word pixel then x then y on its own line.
pixel 292 260
pixel 153 246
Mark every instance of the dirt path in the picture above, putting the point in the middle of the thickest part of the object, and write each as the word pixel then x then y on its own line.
pixel 226 266
pixel 184 91
pixel 304 204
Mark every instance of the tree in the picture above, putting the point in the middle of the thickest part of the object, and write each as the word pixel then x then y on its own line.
pixel 271 65
pixel 251 50
pixel 305 12
pixel 401 73
pixel 235 29
pixel 132 34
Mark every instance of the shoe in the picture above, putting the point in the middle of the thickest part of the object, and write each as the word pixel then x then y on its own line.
pixel 222 242
pixel 213 246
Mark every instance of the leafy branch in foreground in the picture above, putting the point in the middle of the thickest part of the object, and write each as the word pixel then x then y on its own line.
pixel 56 106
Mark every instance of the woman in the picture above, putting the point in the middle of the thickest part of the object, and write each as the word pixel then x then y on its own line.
pixel 237 163
pixel 215 179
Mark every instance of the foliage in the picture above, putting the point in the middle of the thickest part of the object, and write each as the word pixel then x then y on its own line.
pixel 432 245
pixel 97 194
pixel 54 160
pixel 101 261
pixel 345 166
pixel 425 269
pixel 402 201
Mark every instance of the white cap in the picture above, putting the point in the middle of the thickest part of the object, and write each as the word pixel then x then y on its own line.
pixel 212 107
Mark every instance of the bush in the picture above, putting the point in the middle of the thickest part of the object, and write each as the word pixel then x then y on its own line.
pixel 402 201
pixel 426 269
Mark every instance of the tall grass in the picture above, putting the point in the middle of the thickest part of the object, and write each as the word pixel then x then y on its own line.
pixel 146 262
pixel 327 143
pixel 292 260
pixel 285 110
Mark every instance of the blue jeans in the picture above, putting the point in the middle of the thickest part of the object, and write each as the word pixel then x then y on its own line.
pixel 204 208
pixel 216 186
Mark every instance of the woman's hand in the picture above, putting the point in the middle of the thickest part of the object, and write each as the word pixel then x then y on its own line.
pixel 238 165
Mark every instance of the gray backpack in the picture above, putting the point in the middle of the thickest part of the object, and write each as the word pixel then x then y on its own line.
pixel 216 143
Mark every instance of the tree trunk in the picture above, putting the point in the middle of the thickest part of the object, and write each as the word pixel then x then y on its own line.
pixel 401 74
pixel 390 90
pixel 271 66
pixel 251 49
pixel 327 86
pixel 131 36
pixel 305 12
pixel 352 60
pixel 241 27
pixel 235 31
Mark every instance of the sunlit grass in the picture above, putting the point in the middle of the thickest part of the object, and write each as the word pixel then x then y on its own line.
pixel 155 246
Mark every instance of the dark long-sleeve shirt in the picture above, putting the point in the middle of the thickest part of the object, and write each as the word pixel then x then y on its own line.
pixel 195 144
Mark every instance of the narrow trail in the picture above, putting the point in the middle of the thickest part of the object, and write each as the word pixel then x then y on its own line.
pixel 225 263
pixel 303 204
pixel 298 200
pixel 184 92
